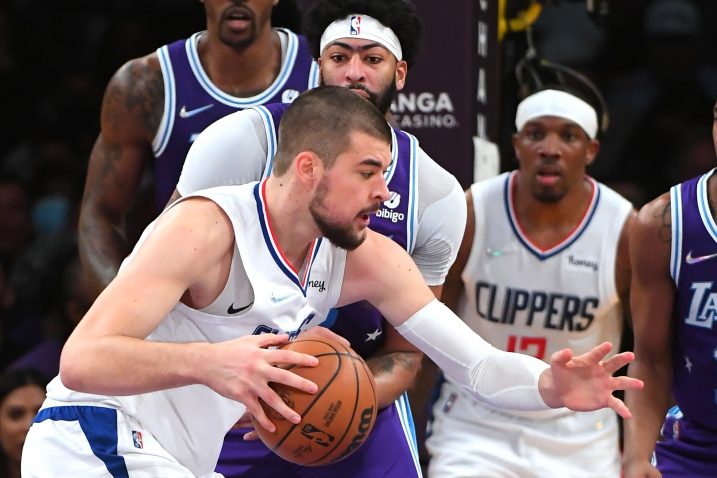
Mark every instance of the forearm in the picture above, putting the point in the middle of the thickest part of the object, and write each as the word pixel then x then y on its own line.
pixel 394 373
pixel 504 379
pixel 648 408
pixel 102 247
pixel 100 365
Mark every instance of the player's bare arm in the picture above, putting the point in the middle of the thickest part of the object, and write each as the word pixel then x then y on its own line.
pixel 623 269
pixel 187 256
pixel 652 300
pixel 131 111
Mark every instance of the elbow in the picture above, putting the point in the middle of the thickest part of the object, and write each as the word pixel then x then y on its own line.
pixel 72 371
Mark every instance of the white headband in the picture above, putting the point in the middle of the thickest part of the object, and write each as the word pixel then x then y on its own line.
pixel 560 104
pixel 365 28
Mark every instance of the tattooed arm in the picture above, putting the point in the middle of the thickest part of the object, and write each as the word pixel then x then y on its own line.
pixel 394 370
pixel 396 364
pixel 652 298
pixel 131 110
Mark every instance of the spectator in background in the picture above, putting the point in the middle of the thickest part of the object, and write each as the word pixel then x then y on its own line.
pixel 15 218
pixel 657 118
pixel 21 394
pixel 65 306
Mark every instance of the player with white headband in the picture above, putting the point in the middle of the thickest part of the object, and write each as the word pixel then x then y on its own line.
pixel 366 46
pixel 543 266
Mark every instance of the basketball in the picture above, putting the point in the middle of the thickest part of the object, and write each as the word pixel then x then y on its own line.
pixel 335 420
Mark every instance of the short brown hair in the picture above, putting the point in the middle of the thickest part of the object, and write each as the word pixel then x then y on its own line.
pixel 321 120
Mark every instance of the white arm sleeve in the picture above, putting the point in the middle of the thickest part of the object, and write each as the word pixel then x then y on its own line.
pixel 503 379
pixel 232 150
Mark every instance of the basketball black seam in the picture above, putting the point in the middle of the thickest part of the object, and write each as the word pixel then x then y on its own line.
pixel 318 395
pixel 353 414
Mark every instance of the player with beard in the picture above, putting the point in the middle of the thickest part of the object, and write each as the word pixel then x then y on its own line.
pixel 543 266
pixel 157 372
pixel 154 107
pixel 367 46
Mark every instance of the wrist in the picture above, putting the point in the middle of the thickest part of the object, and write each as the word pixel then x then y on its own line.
pixel 195 368
pixel 546 388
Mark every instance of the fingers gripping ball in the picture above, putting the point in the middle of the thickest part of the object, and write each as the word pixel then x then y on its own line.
pixel 337 419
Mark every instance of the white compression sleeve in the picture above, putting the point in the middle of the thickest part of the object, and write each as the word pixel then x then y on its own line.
pixel 504 379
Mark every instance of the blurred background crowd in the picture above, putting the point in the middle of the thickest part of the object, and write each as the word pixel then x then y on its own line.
pixel 652 59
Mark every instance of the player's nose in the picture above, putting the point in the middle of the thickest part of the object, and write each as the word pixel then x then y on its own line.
pixel 355 69
pixel 381 192
pixel 550 146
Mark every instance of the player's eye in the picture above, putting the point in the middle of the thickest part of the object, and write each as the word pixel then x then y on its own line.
pixel 535 135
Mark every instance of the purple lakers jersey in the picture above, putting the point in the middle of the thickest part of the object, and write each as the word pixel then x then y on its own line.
pixel 360 323
pixel 693 266
pixel 192 102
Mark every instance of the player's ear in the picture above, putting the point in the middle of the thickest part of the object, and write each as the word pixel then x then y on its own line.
pixel 514 141
pixel 308 166
pixel 401 72
pixel 593 149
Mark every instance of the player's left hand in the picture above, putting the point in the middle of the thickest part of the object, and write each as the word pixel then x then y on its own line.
pixel 585 382
pixel 320 332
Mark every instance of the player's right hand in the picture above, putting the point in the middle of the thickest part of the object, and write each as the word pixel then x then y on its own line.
pixel 241 369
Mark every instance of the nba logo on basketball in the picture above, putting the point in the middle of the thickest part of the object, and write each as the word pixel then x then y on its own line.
pixel 137 439
pixel 355 25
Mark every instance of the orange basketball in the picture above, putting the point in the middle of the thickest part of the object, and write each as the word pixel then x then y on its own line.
pixel 335 420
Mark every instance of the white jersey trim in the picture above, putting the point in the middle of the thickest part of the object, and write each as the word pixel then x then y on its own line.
pixel 538 252
pixel 161 137
pixel 272 140
pixel 292 49
pixel 676 246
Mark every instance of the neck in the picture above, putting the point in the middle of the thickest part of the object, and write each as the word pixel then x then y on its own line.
pixel 560 216
pixel 291 222
pixel 241 71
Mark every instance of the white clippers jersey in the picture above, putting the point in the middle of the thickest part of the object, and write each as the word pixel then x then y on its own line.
pixel 190 422
pixel 524 299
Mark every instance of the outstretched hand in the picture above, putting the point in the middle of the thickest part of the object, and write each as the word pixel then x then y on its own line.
pixel 585 382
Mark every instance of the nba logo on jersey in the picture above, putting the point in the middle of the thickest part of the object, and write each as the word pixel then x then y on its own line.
pixel 355 25
pixel 137 439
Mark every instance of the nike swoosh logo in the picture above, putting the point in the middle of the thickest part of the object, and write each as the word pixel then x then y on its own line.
pixel 695 260
pixel 185 113
pixel 281 298
pixel 232 310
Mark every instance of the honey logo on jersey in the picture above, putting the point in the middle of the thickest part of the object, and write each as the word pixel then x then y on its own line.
pixel 319 285
pixel 582 263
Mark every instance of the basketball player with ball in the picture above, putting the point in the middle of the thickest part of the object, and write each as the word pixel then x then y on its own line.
pixel 368 46
pixel 155 373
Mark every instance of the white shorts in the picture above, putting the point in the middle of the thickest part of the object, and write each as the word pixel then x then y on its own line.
pixel 472 439
pixel 89 442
